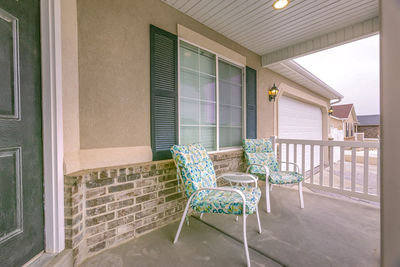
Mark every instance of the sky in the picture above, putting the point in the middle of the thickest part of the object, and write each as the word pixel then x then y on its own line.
pixel 351 69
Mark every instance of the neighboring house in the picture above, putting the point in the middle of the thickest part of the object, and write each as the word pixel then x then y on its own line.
pixel 369 125
pixel 344 119
pixel 336 129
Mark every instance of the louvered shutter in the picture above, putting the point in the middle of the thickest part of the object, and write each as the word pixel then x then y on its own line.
pixel 251 103
pixel 163 91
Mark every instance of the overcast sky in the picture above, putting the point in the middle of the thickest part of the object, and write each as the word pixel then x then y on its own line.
pixel 352 70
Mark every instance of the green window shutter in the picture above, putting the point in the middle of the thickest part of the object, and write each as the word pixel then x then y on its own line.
pixel 251 103
pixel 163 92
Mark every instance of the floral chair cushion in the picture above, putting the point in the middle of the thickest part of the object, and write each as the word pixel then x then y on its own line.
pixel 266 159
pixel 260 151
pixel 257 146
pixel 227 202
pixel 195 165
pixel 285 177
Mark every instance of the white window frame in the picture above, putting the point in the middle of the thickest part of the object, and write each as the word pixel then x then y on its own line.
pixel 217 58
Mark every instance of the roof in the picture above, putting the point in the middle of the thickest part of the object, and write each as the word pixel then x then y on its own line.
pixel 295 72
pixel 342 111
pixel 368 120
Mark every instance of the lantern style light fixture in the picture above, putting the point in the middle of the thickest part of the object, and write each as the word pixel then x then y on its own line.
pixel 280 4
pixel 273 92
pixel 330 111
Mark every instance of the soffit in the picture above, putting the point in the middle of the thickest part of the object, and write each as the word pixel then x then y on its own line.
pixel 258 27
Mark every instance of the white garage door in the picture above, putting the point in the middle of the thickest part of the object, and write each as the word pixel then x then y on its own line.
pixel 299 120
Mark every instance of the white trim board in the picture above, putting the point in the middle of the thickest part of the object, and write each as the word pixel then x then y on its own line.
pixel 52 125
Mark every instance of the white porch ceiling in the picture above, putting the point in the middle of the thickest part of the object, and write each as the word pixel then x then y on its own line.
pixel 274 34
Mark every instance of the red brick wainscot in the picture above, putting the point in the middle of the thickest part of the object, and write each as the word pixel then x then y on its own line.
pixel 107 206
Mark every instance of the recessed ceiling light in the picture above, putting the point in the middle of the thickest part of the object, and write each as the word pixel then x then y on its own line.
pixel 280 4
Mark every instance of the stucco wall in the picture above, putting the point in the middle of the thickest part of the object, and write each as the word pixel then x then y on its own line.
pixel 114 77
pixel 70 83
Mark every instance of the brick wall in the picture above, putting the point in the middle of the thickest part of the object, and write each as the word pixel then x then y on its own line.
pixel 107 206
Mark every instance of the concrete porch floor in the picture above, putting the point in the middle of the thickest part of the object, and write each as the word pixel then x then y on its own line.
pixel 328 232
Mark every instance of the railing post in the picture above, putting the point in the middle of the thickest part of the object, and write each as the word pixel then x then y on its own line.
pixel 321 165
pixel 295 155
pixel 331 148
pixel 303 160
pixel 353 168
pixel 366 159
pixel 312 164
pixel 342 168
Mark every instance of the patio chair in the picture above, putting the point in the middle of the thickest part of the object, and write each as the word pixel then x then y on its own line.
pixel 195 169
pixel 262 162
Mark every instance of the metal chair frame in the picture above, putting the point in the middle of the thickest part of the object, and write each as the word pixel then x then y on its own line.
pixel 220 189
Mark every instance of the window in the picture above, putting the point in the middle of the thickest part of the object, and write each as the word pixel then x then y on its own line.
pixel 230 105
pixel 199 104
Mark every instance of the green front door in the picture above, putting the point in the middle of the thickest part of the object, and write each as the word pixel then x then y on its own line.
pixel 21 171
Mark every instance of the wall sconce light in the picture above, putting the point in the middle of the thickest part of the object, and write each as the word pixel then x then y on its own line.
pixel 330 111
pixel 273 92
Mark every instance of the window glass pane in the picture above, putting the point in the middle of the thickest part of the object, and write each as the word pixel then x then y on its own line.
pixel 224 92
pixel 236 137
pixel 224 136
pixel 189 135
pixel 207 62
pixel 207 88
pixel 189 84
pixel 207 113
pixel 230 105
pixel 224 115
pixel 223 69
pixel 236 95
pixel 197 97
pixel 208 137
pixel 189 56
pixel 236 116
pixel 189 112
pixel 235 75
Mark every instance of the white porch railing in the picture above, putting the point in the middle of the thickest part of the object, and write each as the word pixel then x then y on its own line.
pixel 334 166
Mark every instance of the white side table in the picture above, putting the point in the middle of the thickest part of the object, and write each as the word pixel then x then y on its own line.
pixel 239 177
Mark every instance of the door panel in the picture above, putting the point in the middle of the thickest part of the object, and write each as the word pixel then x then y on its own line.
pixel 21 172
pixel 8 75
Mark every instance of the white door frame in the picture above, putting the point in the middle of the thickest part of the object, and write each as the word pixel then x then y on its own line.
pixel 50 20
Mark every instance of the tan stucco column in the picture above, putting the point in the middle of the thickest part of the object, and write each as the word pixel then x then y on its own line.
pixel 390 96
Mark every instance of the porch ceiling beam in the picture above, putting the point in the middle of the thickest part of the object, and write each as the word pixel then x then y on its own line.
pixel 344 35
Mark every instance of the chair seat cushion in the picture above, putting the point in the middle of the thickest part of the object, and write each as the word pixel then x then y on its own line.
pixel 213 201
pixel 285 177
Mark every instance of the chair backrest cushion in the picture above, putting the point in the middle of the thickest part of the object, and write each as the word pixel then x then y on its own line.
pixel 260 151
pixel 195 166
